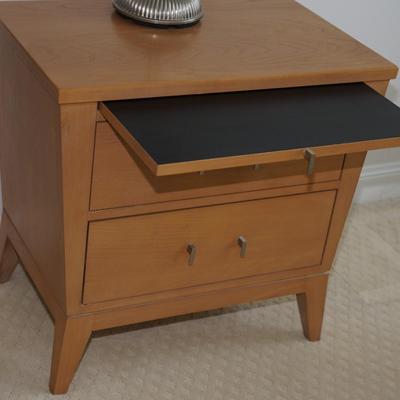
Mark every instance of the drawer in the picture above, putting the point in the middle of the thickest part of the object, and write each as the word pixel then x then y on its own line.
pixel 121 179
pixel 174 148
pixel 145 254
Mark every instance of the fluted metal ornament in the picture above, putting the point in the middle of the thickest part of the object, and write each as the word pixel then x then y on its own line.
pixel 161 12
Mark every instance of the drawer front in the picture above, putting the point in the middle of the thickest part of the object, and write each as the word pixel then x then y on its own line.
pixel 145 254
pixel 120 179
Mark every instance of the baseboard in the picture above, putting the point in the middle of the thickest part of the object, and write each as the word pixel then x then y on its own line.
pixel 379 182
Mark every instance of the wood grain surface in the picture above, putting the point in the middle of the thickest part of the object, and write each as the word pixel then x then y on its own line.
pixel 239 45
pixel 145 254
pixel 350 175
pixel 77 130
pixel 311 307
pixel 120 179
pixel 136 266
pixel 30 161
pixel 71 336
pixel 8 256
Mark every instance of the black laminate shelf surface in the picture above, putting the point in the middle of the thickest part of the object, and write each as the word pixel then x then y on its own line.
pixel 200 127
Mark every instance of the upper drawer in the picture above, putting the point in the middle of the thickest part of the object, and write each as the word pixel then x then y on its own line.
pixel 120 178
pixel 185 134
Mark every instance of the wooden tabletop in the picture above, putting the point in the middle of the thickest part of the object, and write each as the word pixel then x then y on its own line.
pixel 87 52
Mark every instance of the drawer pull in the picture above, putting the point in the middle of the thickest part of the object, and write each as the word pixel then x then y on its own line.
pixel 192 250
pixel 242 242
pixel 310 156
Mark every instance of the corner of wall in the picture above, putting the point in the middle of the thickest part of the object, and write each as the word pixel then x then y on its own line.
pixel 379 182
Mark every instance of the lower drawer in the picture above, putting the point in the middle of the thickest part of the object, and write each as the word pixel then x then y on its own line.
pixel 144 254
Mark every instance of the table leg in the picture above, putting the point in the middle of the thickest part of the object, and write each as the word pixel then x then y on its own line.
pixel 311 306
pixel 70 341
pixel 8 256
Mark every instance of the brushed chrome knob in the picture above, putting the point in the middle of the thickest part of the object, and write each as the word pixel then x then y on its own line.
pixel 242 242
pixel 310 156
pixel 192 250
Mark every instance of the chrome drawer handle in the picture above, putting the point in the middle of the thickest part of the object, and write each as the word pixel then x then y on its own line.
pixel 242 242
pixel 192 250
pixel 310 156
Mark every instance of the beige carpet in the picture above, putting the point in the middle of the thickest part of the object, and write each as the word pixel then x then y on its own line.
pixel 250 352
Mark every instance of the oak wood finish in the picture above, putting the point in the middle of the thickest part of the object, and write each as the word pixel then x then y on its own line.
pixel 31 268
pixel 311 305
pixel 213 56
pixel 97 215
pixel 8 256
pixel 120 179
pixel 279 238
pixel 379 86
pixel 266 158
pixel 51 81
pixel 196 303
pixel 71 337
pixel 77 146
pixel 30 164
pixel 347 186
pixel 8 261
pixel 99 117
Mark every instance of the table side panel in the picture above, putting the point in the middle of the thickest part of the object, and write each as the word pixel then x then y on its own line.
pixel 347 186
pixel 30 158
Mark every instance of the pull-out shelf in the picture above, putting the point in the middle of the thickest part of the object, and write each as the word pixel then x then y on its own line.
pixel 175 135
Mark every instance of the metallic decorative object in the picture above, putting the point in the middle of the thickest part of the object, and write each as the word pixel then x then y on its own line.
pixel 161 12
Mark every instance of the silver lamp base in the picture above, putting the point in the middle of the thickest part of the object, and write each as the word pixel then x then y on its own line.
pixel 161 12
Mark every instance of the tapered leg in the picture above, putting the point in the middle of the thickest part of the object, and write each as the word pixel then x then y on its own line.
pixel 8 256
pixel 70 340
pixel 311 306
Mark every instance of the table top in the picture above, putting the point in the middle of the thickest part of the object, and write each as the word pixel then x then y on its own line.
pixel 88 52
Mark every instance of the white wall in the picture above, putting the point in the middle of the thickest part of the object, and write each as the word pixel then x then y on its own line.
pixel 376 23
